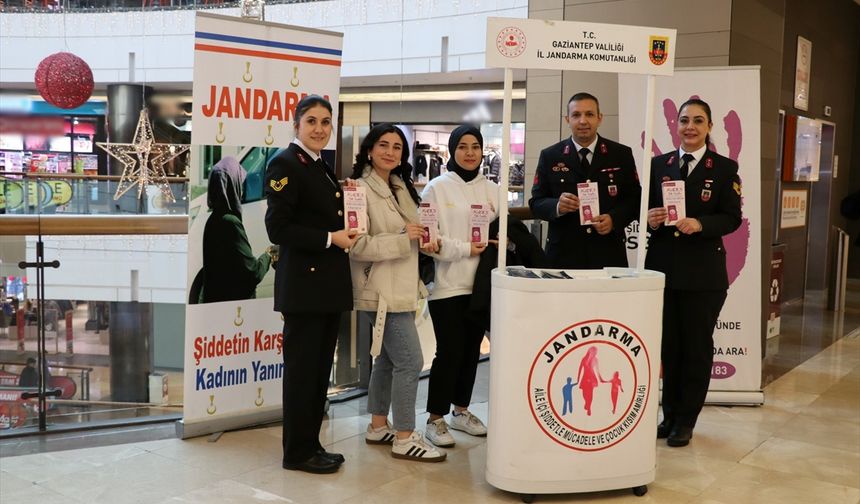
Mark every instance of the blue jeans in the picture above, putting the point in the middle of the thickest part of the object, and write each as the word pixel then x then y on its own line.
pixel 394 378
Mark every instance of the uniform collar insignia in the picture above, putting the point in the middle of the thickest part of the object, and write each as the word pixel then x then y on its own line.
pixel 671 160
pixel 603 149
pixel 709 163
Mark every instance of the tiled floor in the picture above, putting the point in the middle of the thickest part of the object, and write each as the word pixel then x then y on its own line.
pixel 802 446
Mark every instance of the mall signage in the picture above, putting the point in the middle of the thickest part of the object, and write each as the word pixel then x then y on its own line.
pixel 249 75
pixel 566 45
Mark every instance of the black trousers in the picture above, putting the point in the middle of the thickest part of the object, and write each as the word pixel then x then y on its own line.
pixel 309 342
pixel 459 333
pixel 687 351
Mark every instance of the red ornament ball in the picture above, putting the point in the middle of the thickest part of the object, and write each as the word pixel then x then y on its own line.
pixel 64 80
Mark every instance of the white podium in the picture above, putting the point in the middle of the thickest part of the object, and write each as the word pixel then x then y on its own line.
pixel 574 380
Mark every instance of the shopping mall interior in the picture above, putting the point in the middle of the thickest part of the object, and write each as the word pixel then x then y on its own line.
pixel 110 320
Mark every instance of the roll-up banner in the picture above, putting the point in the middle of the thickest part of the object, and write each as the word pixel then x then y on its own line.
pixel 248 77
pixel 734 96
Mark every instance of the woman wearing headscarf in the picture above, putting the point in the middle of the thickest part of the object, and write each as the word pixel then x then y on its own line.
pixel 459 330
pixel 230 270
pixel 385 283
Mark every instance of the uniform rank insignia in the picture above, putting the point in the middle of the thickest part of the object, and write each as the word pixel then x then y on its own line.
pixel 613 190
pixel 706 195
pixel 737 187
pixel 278 185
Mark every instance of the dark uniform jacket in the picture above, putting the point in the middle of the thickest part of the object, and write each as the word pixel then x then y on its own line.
pixel 713 196
pixel 305 203
pixel 523 250
pixel 569 244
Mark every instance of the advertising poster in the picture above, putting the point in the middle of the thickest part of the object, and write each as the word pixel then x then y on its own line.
pixel 249 76
pixel 244 112
pixel 733 94
pixel 793 208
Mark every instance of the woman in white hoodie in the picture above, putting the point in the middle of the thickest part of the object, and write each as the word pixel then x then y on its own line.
pixel 385 285
pixel 459 332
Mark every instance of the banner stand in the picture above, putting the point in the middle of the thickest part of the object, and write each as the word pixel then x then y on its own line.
pixel 249 75
pixel 222 423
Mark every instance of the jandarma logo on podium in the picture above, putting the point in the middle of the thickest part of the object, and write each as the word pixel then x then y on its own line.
pixel 511 42
pixel 589 384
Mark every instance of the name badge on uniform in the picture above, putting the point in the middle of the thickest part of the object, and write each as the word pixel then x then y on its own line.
pixel 706 195
pixel 613 190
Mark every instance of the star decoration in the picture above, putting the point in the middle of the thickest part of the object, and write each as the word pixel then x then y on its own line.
pixel 143 160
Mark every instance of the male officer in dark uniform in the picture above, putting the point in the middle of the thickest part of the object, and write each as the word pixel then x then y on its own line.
pixel 312 282
pixel 586 157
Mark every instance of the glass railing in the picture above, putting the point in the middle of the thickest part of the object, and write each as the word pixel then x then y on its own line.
pixel 49 194
pixel 49 6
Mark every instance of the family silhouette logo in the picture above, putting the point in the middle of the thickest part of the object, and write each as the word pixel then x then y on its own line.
pixel 588 385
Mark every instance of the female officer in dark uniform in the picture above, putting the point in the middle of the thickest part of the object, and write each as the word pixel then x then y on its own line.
pixel 692 256
pixel 312 279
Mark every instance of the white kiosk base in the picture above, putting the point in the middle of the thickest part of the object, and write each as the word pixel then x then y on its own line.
pixel 574 380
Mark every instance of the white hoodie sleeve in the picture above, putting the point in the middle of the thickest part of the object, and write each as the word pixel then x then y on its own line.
pixel 452 249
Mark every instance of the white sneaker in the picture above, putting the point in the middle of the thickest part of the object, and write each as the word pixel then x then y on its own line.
pixel 415 448
pixel 379 435
pixel 468 423
pixel 437 433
